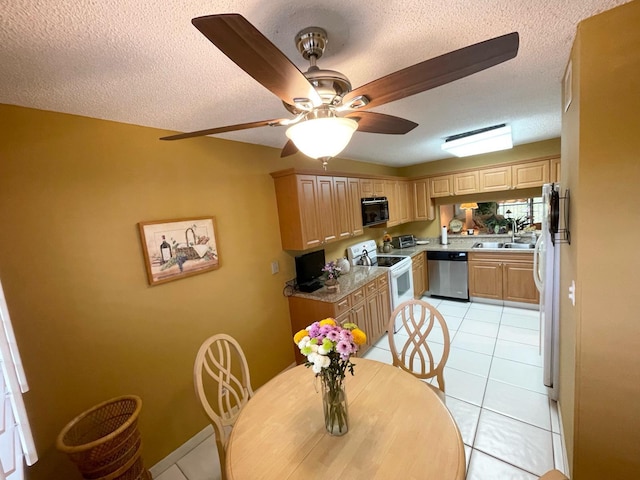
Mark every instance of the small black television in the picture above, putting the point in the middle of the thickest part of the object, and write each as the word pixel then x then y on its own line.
pixel 309 270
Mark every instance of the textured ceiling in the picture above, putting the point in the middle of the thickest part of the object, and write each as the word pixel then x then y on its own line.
pixel 142 62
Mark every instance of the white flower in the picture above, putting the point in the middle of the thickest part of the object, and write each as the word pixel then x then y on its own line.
pixel 304 342
pixel 324 351
pixel 319 362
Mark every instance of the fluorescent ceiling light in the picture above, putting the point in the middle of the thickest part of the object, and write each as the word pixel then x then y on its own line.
pixel 322 137
pixel 490 139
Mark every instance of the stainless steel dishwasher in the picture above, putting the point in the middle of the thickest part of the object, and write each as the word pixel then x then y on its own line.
pixel 448 274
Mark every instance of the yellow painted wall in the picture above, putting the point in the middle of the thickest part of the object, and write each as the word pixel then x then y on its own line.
pixel 72 190
pixel 569 267
pixel 599 399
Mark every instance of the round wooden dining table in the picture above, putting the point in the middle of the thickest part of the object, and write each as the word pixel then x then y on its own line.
pixel 398 429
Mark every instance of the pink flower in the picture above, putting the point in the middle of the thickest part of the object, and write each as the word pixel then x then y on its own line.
pixel 333 335
pixel 314 329
pixel 346 335
pixel 325 329
pixel 344 348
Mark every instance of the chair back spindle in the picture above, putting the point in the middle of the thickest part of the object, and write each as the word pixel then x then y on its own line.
pixel 217 385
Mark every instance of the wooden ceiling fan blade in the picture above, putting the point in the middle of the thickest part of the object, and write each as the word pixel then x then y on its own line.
pixel 372 122
pixel 228 128
pixel 255 54
pixel 289 149
pixel 438 71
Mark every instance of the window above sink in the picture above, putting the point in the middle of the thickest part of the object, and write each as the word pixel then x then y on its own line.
pixel 495 217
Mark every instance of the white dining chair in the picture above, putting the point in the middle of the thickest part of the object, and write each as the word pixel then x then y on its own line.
pixel 222 394
pixel 417 320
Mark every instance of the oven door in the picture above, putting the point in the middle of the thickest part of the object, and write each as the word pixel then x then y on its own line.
pixel 401 284
pixel 401 281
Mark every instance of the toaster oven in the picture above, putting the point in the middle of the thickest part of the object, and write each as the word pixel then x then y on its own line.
pixel 403 241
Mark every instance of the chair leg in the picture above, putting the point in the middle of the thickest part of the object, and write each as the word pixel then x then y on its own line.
pixel 222 457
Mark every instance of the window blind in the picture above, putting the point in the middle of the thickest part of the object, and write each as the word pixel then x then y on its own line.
pixel 16 441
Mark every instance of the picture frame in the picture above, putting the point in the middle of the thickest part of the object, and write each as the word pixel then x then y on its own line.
pixel 179 248
pixel 567 86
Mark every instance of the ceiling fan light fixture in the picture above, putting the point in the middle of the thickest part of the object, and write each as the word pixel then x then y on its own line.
pixel 484 140
pixel 322 137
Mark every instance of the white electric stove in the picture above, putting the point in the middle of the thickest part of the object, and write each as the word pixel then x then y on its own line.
pixel 400 274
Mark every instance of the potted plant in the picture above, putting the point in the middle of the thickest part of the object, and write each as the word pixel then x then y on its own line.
pixel 331 273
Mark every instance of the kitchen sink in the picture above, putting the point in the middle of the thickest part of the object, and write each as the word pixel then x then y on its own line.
pixel 488 245
pixel 519 245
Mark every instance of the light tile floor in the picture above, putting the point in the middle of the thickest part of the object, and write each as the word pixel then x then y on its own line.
pixel 494 388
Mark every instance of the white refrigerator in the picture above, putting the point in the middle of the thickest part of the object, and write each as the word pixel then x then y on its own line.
pixel 546 273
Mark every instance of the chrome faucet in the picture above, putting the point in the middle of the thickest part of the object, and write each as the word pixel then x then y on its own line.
pixel 513 230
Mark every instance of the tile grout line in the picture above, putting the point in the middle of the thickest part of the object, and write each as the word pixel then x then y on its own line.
pixel 484 393
pixel 504 461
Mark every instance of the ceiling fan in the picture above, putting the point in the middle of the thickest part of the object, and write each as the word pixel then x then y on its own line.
pixel 326 110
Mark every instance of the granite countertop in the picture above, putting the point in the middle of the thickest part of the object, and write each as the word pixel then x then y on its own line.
pixel 460 243
pixel 357 277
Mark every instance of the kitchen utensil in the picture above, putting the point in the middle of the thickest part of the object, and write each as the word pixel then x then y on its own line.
pixel 366 261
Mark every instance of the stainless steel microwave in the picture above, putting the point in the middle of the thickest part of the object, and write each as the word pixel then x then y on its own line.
pixel 375 210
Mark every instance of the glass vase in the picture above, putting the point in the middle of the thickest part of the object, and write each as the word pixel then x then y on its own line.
pixel 334 402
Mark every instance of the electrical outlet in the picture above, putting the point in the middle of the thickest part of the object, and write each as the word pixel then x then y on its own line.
pixel 275 267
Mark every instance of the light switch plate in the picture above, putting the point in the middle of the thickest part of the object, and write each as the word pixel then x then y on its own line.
pixel 275 267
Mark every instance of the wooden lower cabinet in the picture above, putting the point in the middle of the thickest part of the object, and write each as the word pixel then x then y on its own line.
pixel 367 306
pixel 502 276
pixel 420 279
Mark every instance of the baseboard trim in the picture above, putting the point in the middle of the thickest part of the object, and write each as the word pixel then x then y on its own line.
pixel 505 303
pixel 565 458
pixel 164 464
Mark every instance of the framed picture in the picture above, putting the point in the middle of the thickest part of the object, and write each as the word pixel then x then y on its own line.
pixel 180 248
pixel 567 87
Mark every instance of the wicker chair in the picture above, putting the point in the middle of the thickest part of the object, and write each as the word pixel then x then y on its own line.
pixel 220 392
pixel 416 319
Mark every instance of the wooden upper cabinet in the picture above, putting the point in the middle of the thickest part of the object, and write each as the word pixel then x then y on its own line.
pixel 297 200
pixel 371 187
pixel 554 174
pixel 495 179
pixel 532 174
pixel 326 210
pixel 441 186
pixel 317 209
pixel 366 187
pixel 465 183
pixel 341 208
pixel 391 192
pixel 423 206
pixel 308 213
pixel 509 177
pixel 355 206
pixel 405 201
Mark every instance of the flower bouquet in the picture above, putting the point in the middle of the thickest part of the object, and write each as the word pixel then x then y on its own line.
pixel 331 271
pixel 328 348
